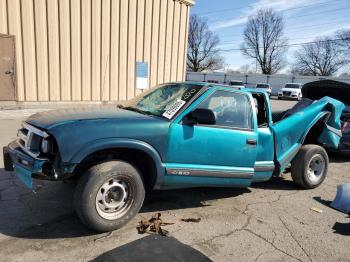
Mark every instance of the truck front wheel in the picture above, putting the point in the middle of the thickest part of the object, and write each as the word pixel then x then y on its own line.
pixel 309 167
pixel 108 195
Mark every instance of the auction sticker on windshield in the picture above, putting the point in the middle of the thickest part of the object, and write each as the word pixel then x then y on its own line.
pixel 174 108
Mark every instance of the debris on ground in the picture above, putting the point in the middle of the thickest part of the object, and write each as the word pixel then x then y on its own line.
pixel 316 210
pixel 191 219
pixel 108 234
pixel 154 224
pixel 342 199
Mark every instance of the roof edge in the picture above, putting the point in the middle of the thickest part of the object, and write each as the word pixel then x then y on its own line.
pixel 187 2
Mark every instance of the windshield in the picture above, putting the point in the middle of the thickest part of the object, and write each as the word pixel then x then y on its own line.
pixel 262 86
pixel 297 86
pixel 164 101
pixel 236 83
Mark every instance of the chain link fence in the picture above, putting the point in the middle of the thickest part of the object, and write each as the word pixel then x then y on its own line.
pixel 250 80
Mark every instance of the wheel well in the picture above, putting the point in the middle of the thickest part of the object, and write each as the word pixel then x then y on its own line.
pixel 315 131
pixel 138 158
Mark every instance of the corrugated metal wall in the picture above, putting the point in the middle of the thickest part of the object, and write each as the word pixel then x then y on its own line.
pixel 82 50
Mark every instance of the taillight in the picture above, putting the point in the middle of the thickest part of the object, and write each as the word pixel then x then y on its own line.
pixel 346 128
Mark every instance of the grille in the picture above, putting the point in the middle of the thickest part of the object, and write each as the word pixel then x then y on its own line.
pixel 287 93
pixel 30 138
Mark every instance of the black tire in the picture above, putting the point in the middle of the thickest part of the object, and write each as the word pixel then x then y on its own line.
pixel 123 182
pixel 309 167
pixel 279 98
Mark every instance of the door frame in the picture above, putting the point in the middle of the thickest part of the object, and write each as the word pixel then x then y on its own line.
pixel 14 75
pixel 224 171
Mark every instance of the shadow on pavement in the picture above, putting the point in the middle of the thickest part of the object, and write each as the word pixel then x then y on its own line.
pixel 339 228
pixel 153 248
pixel 46 213
pixel 277 183
pixel 49 213
pixel 342 228
pixel 337 158
pixel 323 201
pixel 187 198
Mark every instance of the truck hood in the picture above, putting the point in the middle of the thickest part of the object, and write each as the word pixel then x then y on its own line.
pixel 76 129
pixel 52 118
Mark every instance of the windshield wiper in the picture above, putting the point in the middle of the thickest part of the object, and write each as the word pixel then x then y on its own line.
pixel 135 109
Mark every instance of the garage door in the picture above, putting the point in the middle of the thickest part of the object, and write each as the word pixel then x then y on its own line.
pixel 7 67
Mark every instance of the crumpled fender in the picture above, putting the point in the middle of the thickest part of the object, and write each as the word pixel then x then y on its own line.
pixel 331 135
pixel 290 133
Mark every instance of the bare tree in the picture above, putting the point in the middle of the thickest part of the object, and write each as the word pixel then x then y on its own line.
pixel 246 69
pixel 344 39
pixel 202 53
pixel 264 42
pixel 319 58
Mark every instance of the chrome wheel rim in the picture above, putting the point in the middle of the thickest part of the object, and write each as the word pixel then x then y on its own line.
pixel 114 198
pixel 316 168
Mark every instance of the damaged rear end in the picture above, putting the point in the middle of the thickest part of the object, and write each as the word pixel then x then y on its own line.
pixel 332 131
pixel 308 122
pixel 344 145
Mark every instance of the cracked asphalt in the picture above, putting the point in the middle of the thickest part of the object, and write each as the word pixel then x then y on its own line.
pixel 270 221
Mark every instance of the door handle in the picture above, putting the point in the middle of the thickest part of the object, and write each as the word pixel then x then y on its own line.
pixel 251 142
pixel 8 72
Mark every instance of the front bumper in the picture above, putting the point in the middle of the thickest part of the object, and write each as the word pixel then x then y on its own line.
pixel 291 96
pixel 24 166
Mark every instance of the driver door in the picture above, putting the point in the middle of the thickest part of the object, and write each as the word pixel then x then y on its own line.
pixel 214 155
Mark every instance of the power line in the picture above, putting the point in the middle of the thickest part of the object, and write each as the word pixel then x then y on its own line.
pixel 226 41
pixel 240 41
pixel 288 45
pixel 297 16
pixel 250 6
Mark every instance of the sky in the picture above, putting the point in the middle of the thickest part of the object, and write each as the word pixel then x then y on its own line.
pixel 304 21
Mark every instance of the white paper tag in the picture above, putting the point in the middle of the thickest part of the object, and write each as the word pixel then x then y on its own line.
pixel 174 108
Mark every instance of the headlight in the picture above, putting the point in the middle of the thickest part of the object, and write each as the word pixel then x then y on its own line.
pixel 46 145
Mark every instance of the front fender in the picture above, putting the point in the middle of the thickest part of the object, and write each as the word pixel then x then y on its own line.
pixel 110 143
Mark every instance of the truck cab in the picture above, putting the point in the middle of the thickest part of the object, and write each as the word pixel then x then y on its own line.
pixel 176 135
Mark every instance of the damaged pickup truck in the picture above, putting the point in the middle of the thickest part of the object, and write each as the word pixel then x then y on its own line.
pixel 176 135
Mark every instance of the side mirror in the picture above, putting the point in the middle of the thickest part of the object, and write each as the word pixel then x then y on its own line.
pixel 201 116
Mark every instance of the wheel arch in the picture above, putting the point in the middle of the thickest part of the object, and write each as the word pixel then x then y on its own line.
pixel 138 153
pixel 313 130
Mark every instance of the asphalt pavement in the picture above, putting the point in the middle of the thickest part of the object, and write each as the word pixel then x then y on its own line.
pixel 271 221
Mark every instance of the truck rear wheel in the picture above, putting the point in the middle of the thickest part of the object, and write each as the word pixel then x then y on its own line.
pixel 109 195
pixel 309 167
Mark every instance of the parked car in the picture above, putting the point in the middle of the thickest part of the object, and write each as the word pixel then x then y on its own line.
pixel 176 135
pixel 340 91
pixel 265 87
pixel 291 90
pixel 236 83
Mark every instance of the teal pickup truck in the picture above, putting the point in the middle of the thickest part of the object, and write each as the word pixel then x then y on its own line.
pixel 176 135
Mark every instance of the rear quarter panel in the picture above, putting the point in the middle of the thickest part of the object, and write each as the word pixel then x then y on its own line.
pixel 290 132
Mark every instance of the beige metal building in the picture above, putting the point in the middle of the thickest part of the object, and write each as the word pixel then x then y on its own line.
pixel 87 50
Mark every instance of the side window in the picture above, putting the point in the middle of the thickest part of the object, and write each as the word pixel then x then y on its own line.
pixel 231 109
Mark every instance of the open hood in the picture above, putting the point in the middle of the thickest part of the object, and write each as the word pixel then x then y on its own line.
pixel 335 89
